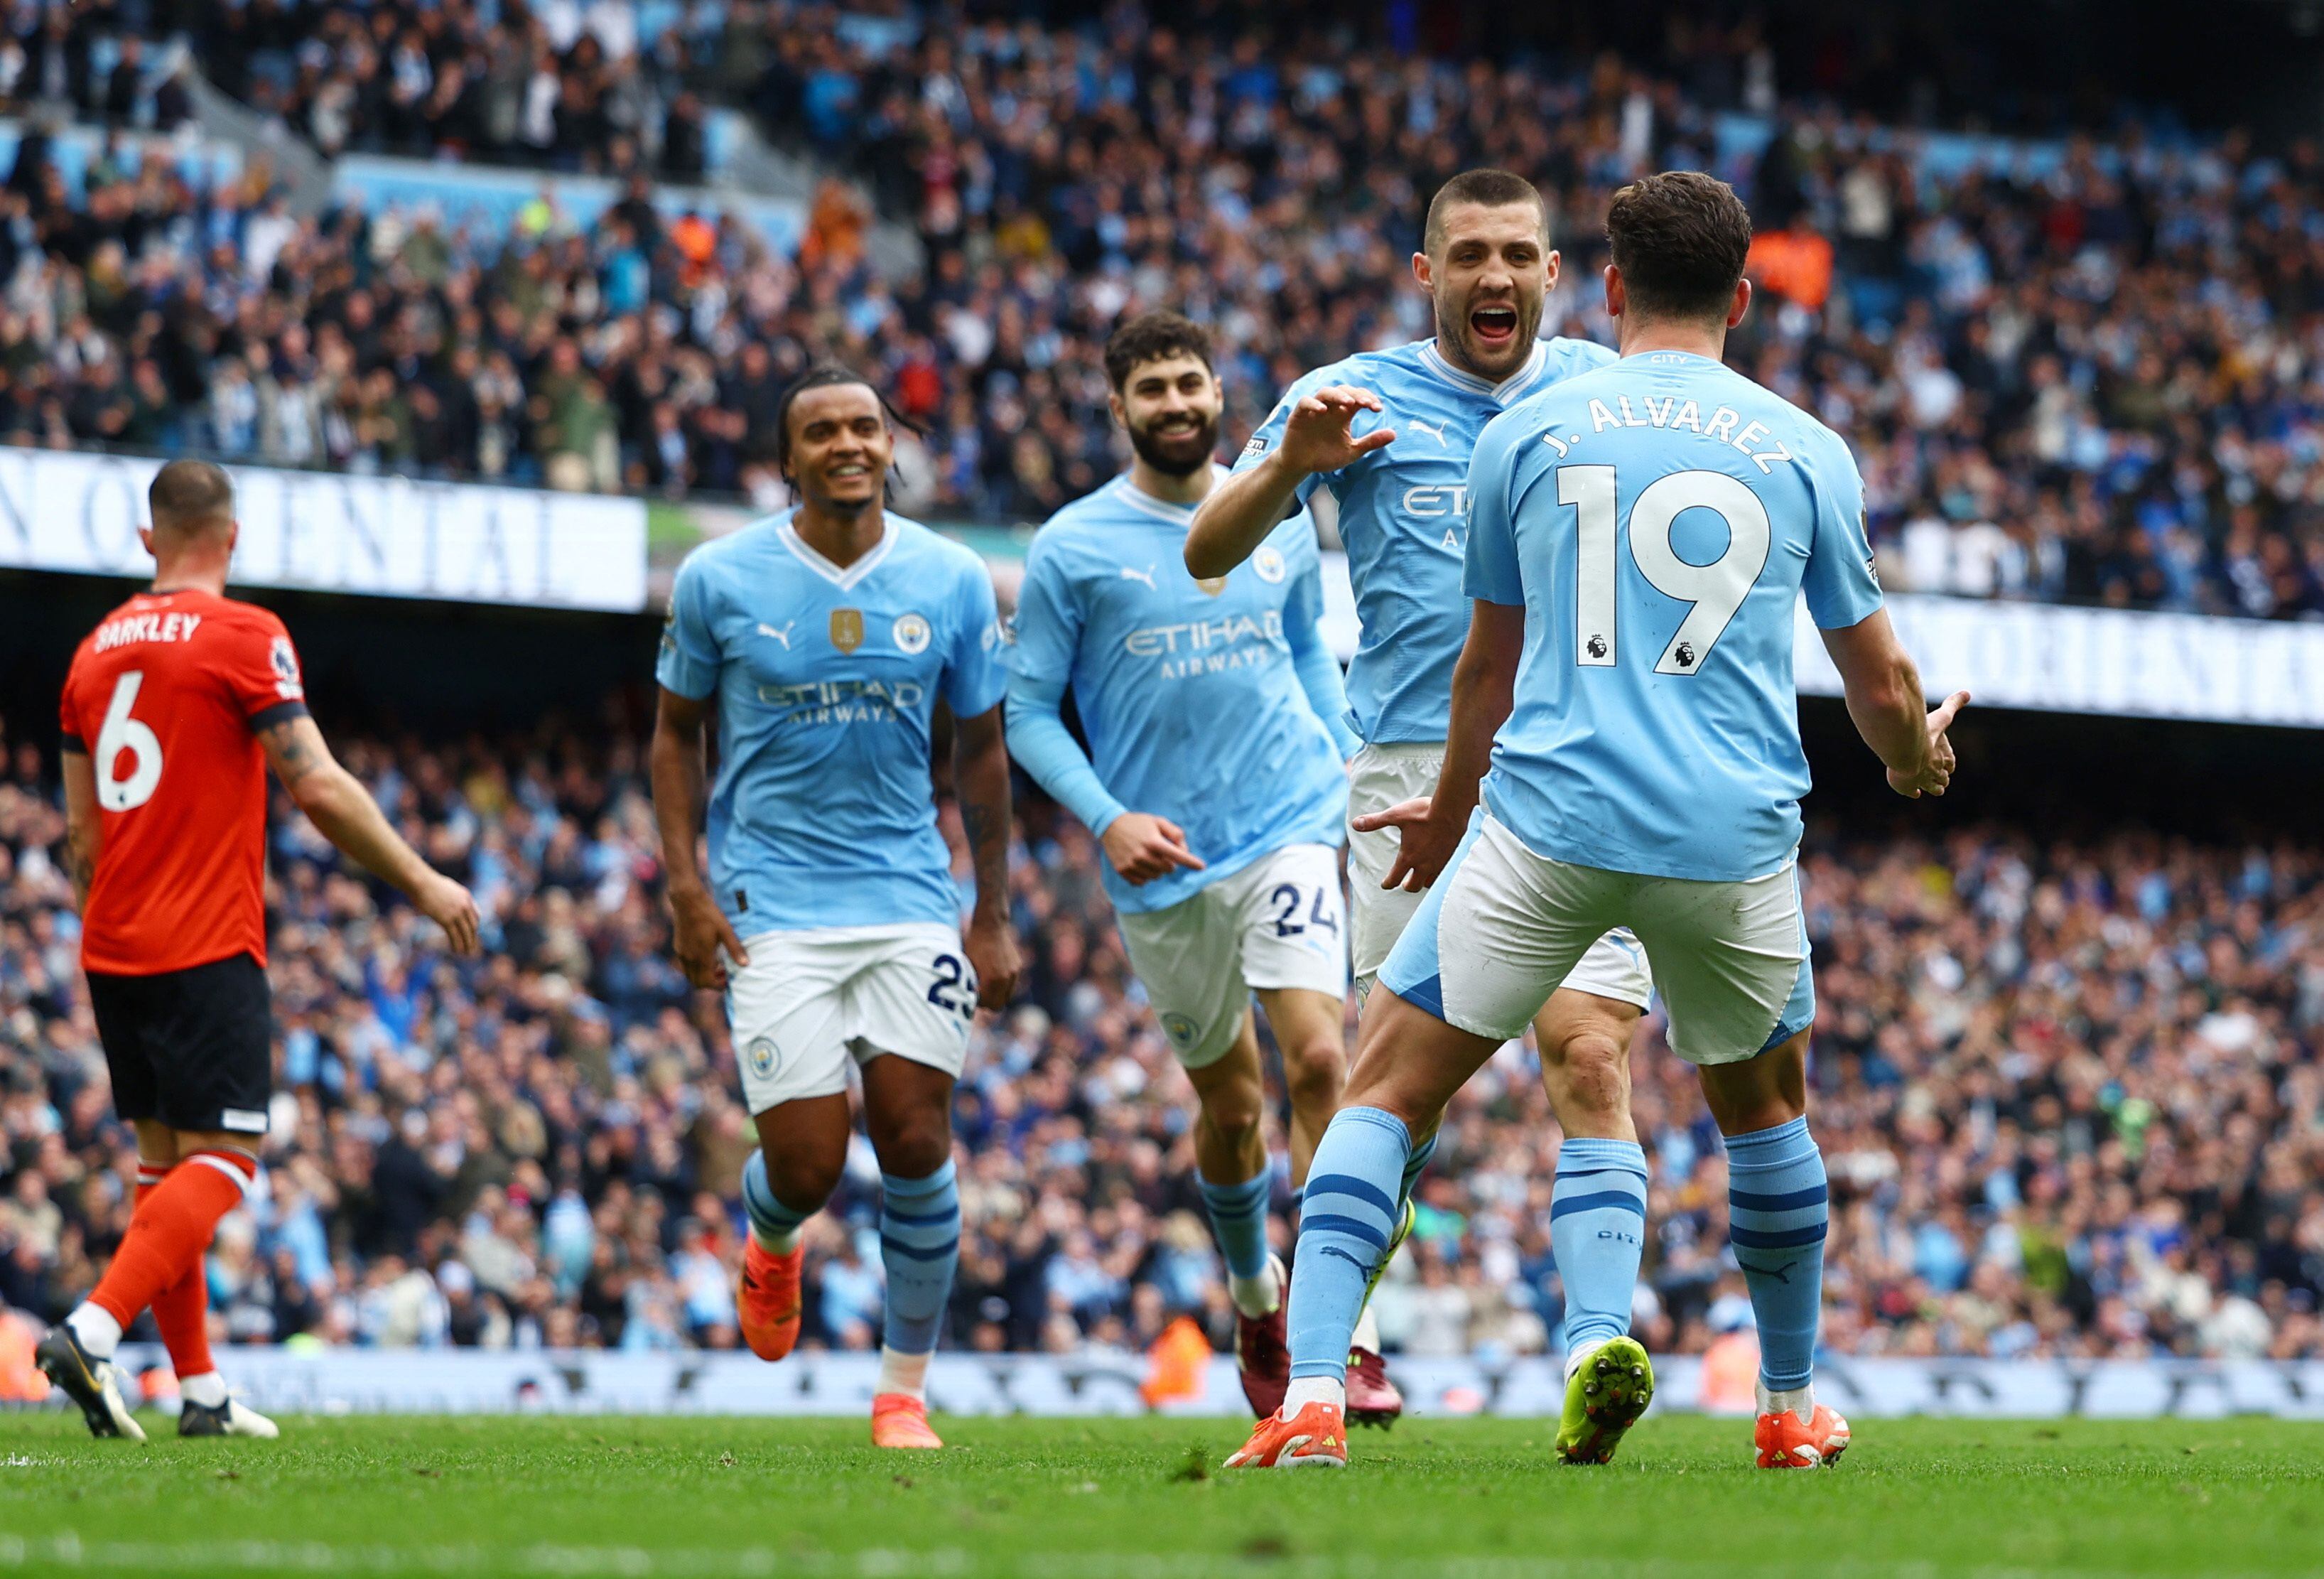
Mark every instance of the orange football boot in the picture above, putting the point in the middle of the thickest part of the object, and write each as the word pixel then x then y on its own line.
pixel 1787 1441
pixel 767 1298
pixel 900 1420
pixel 1316 1438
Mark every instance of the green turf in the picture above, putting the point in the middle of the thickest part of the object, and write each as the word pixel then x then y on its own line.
pixel 1144 1499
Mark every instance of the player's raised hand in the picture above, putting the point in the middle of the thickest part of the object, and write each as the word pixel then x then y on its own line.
pixel 451 907
pixel 1143 847
pixel 1423 848
pixel 1937 769
pixel 993 954
pixel 703 931
pixel 1315 437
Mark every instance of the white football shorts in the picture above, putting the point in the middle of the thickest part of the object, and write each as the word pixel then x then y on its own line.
pixel 1380 777
pixel 1505 926
pixel 1278 922
pixel 812 1001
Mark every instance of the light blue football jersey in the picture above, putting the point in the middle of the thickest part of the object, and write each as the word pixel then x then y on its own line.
pixel 1188 691
pixel 1402 511
pixel 1658 521
pixel 823 814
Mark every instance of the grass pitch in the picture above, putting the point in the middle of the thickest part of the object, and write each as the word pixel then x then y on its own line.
pixel 1145 1499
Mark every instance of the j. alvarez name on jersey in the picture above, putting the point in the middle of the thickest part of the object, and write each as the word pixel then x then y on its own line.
pixel 1673 414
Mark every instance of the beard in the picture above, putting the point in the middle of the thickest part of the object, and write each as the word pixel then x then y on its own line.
pixel 1177 454
pixel 1453 327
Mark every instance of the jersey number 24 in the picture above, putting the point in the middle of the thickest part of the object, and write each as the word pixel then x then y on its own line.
pixel 1716 590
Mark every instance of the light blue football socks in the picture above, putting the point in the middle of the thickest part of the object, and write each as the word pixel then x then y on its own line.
pixel 919 1245
pixel 1348 1215
pixel 1238 1215
pixel 773 1224
pixel 1778 1212
pixel 1597 1232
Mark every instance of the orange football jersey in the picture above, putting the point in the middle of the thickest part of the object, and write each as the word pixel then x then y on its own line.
pixel 165 696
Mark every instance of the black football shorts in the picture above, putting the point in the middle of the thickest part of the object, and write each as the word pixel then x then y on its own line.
pixel 193 1048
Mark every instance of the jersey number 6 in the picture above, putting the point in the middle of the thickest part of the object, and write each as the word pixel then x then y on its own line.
pixel 121 733
pixel 1716 590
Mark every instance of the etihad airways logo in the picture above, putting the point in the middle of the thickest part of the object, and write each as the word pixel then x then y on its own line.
pixel 844 701
pixel 1208 646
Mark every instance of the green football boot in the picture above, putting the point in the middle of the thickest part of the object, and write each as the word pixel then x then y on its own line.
pixel 1604 1398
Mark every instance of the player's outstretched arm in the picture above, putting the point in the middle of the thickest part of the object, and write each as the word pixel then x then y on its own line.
pixel 84 829
pixel 980 770
pixel 1141 846
pixel 1891 712
pixel 1484 688
pixel 675 761
pixel 335 802
pixel 1244 509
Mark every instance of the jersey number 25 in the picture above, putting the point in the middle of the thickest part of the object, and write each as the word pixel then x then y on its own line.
pixel 1716 589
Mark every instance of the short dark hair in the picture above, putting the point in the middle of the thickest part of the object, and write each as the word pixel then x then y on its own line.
pixel 188 494
pixel 1490 188
pixel 1680 239
pixel 821 376
pixel 1154 336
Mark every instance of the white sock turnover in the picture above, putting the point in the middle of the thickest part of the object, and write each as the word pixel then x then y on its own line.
pixel 1314 1389
pixel 1367 1334
pixel 1799 1400
pixel 208 1389
pixel 94 1326
pixel 904 1373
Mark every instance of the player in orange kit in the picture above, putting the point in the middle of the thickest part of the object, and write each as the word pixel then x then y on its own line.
pixel 175 706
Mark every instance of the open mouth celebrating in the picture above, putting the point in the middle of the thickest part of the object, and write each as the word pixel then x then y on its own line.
pixel 1494 326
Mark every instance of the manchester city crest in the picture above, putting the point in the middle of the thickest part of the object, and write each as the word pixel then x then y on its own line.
pixel 911 634
pixel 1181 1031
pixel 1269 563
pixel 761 1057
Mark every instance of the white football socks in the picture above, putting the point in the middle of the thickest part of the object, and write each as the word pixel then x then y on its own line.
pixel 1799 1400
pixel 208 1389
pixel 1314 1389
pixel 1259 1295
pixel 1367 1334
pixel 94 1326
pixel 781 1243
pixel 904 1373
pixel 1573 1362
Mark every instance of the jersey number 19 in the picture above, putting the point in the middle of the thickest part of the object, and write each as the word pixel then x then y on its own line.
pixel 1716 590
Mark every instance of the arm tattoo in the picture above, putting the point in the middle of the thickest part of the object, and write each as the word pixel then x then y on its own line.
pixel 988 844
pixel 293 758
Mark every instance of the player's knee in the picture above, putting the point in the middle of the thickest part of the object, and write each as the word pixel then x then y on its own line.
pixel 804 1179
pixel 913 1145
pixel 1314 1070
pixel 1592 1064
pixel 1233 1114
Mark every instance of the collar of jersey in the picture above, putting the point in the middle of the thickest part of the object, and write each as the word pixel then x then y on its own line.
pixel 848 577
pixel 1138 498
pixel 1435 362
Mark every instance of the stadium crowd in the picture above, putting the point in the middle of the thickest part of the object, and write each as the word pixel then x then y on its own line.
pixel 2090 373
pixel 2071 1093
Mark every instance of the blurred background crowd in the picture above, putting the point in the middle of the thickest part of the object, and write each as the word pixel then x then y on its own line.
pixel 2087 368
pixel 2069 1086
pixel 2069 1092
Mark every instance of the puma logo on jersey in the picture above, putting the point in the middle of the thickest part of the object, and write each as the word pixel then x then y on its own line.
pixel 783 635
pixel 1147 575
pixel 1437 432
